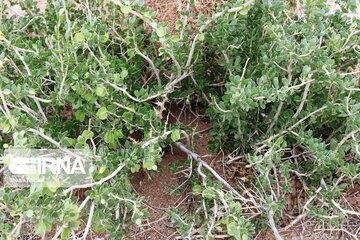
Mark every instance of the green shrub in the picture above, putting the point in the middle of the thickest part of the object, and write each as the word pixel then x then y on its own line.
pixel 95 74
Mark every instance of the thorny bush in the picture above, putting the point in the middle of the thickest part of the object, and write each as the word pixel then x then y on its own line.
pixel 280 82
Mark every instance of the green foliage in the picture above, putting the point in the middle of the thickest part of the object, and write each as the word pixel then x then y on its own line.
pixel 289 85
pixel 99 75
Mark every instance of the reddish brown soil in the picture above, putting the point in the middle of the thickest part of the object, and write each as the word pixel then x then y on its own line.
pixel 155 187
pixel 352 198
pixel 168 10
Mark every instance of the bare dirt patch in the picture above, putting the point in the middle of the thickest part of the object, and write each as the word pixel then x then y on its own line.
pixel 169 10
pixel 157 187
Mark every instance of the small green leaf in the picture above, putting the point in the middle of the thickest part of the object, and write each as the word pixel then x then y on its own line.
pixel 201 37
pixel 101 91
pixel 124 73
pixel 149 165
pixel 109 137
pixel 69 141
pixel 175 135
pixel 173 167
pixel 209 193
pixel 65 234
pixel 178 24
pixel 175 38
pixel 80 115
pixel 128 116
pixel 161 32
pixel 29 213
pixel 87 134
pixel 244 11
pixel 131 53
pixel 117 77
pixel 102 170
pixel 135 168
pixel 79 37
pixel 7 91
pixel 13 122
pixel 153 24
pixel 306 69
pixel 234 230
pixel 53 184
pixel 138 221
pixel 196 189
pixel 125 9
pixel 89 97
pixel 5 127
pixel 102 113
pixel 119 134
pixel 104 38
pixel 40 227
pixel 79 90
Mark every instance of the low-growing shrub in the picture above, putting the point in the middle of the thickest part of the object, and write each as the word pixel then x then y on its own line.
pixel 279 81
